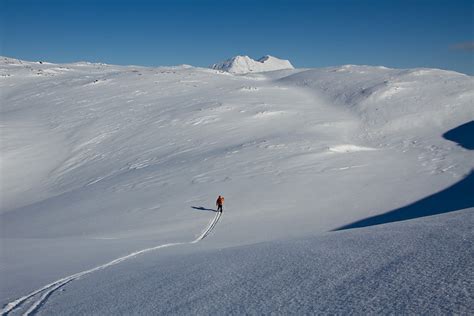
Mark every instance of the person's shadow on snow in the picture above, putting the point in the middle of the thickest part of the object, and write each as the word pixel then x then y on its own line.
pixel 200 208
pixel 454 198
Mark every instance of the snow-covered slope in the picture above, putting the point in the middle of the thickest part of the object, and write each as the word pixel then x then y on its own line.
pixel 399 268
pixel 245 64
pixel 100 161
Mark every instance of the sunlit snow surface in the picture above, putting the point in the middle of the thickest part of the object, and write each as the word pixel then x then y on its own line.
pixel 100 161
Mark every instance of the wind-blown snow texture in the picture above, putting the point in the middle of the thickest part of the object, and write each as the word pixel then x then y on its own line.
pixel 100 162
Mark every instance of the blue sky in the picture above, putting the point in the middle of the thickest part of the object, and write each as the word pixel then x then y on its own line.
pixel 401 34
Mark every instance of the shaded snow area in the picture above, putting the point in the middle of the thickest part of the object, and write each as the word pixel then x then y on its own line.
pixel 245 64
pixel 348 190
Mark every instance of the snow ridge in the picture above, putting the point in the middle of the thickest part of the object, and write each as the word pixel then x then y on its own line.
pixel 245 64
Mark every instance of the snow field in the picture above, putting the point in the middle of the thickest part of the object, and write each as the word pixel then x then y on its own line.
pixel 124 159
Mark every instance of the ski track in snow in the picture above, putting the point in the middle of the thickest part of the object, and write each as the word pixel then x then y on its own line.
pixel 46 291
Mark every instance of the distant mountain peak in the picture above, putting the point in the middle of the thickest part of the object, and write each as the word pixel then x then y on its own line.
pixel 244 64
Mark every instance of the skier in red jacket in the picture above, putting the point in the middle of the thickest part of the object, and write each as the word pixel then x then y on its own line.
pixel 219 203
